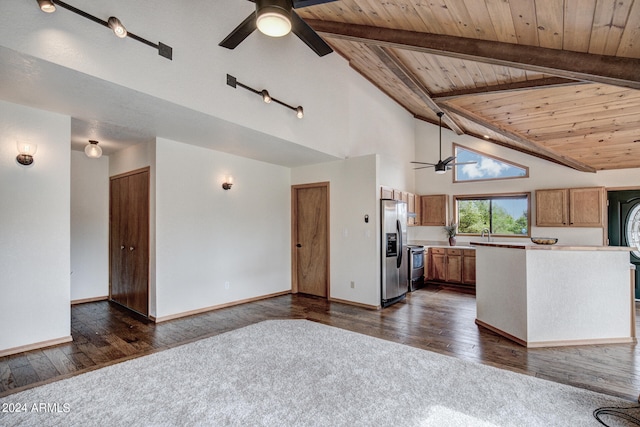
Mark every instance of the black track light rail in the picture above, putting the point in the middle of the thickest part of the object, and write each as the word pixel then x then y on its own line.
pixel 163 49
pixel 233 82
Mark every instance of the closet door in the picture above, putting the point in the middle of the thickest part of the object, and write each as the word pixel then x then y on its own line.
pixel 129 240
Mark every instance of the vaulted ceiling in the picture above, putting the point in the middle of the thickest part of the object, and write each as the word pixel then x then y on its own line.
pixel 558 79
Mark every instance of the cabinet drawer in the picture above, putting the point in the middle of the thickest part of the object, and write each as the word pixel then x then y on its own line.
pixel 454 251
pixel 437 250
pixel 469 252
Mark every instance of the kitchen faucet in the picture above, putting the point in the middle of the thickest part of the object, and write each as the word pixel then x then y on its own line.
pixel 486 230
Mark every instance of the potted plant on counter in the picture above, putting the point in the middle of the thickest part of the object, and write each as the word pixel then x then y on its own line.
pixel 451 230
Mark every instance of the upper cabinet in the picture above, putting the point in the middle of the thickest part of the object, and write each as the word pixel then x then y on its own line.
pixel 570 207
pixel 412 201
pixel 434 209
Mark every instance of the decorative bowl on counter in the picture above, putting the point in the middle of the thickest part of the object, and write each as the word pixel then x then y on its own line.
pixel 544 240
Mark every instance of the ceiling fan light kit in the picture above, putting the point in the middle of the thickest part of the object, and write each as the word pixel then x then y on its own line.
pixel 273 17
pixel 276 18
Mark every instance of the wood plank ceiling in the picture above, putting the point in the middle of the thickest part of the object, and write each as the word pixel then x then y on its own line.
pixel 558 79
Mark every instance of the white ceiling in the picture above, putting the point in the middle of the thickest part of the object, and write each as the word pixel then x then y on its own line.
pixel 119 117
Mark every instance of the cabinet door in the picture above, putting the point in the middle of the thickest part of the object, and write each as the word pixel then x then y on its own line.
pixel 438 264
pixel 551 208
pixel 434 209
pixel 469 267
pixel 586 207
pixel 417 220
pixel 454 265
pixel 427 265
pixel 386 192
pixel 411 207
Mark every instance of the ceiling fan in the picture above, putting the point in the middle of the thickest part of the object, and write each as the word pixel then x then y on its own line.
pixel 276 18
pixel 443 165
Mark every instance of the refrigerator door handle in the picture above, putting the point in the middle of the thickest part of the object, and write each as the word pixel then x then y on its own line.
pixel 401 243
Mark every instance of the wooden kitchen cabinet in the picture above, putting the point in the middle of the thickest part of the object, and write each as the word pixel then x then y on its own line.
pixel 469 266
pixel 570 207
pixel 452 265
pixel 434 209
pixel 386 192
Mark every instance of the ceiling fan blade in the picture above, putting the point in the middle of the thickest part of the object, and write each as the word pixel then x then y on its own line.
pixel 240 33
pixel 463 163
pixel 297 4
pixel 307 35
pixel 424 167
pixel 448 160
pixel 424 163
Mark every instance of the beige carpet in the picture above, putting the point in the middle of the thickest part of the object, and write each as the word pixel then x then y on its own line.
pixel 300 373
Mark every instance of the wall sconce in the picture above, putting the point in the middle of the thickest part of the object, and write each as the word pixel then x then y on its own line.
pixel 26 150
pixel 92 150
pixel 228 182
pixel 114 23
pixel 233 82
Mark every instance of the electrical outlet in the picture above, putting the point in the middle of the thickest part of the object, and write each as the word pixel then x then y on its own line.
pixel 226 285
pixel 353 284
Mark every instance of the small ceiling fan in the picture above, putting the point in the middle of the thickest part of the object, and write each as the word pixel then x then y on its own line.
pixel 443 165
pixel 276 18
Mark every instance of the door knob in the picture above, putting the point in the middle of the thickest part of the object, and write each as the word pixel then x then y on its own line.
pixel 131 248
pixel 298 245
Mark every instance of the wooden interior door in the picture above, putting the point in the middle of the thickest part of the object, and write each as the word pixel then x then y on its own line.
pixel 310 235
pixel 129 240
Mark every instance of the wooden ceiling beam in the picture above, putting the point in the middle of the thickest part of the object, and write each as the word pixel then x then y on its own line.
pixel 532 148
pixel 611 70
pixel 545 83
pixel 395 65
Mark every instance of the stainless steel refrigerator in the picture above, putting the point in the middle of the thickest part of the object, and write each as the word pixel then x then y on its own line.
pixel 393 214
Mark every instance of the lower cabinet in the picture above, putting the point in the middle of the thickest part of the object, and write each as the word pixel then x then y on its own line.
pixel 452 265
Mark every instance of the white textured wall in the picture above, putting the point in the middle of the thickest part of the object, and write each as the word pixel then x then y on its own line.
pixel 207 236
pixel 542 174
pixel 354 254
pixel 89 226
pixel 34 228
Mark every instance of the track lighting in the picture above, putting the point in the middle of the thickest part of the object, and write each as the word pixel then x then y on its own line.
pixel 266 97
pixel 113 23
pixel 273 17
pixel 118 29
pixel 47 6
pixel 92 150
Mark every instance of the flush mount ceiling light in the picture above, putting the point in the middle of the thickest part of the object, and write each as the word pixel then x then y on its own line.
pixel 233 82
pixel 113 23
pixel 273 17
pixel 92 150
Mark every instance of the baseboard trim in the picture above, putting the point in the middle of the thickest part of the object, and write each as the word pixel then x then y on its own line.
pixel 215 307
pixel 35 346
pixel 85 300
pixel 357 304
pixel 559 343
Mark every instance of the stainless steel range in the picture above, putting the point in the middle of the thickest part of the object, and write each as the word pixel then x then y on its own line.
pixel 415 255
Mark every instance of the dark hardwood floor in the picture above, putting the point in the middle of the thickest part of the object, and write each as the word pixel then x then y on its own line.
pixel 436 318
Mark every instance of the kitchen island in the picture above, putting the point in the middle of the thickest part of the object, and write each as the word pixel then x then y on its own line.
pixel 555 295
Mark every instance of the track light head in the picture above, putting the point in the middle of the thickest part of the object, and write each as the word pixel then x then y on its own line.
pixel 265 96
pixel 47 6
pixel 300 112
pixel 117 27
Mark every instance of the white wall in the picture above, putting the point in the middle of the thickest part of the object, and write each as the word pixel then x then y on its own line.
pixel 542 174
pixel 207 236
pixel 34 228
pixel 353 243
pixel 89 226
